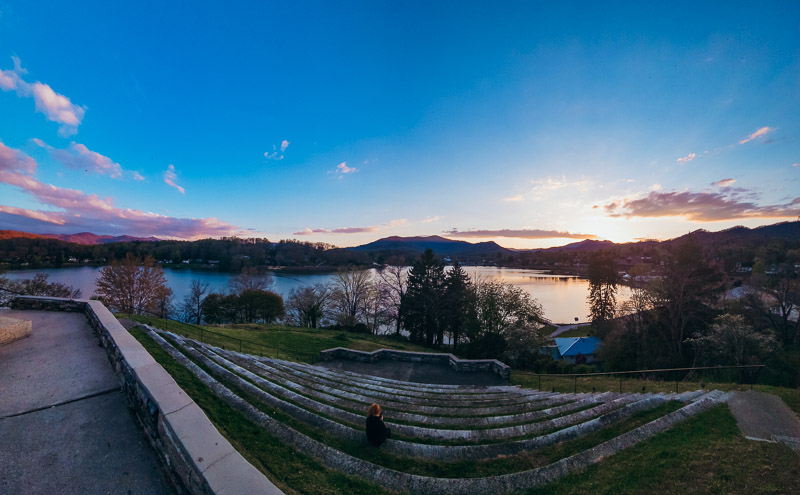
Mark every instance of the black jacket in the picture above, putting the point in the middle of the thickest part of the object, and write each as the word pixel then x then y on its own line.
pixel 377 432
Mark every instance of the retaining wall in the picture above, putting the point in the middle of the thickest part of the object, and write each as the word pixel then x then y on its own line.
pixel 466 365
pixel 196 457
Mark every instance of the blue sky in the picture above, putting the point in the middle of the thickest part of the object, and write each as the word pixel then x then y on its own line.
pixel 521 122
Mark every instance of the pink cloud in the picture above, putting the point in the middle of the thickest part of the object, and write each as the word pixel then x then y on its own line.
pixel 284 145
pixel 519 234
pixel 56 107
pixel 342 168
pixel 687 158
pixel 756 134
pixel 724 183
pixel 170 177
pixel 79 157
pixel 699 207
pixel 352 230
pixel 82 211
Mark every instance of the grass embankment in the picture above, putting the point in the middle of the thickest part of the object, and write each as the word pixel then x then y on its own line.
pixel 296 343
pixel 703 455
pixel 567 384
pixel 581 331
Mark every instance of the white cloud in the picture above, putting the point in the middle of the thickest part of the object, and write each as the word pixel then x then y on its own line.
pixel 687 158
pixel 56 107
pixel 170 177
pixel 515 198
pixel 432 219
pixel 137 176
pixel 343 169
pixel 284 145
pixel 757 134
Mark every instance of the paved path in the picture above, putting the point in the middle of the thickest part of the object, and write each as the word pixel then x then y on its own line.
pixel 64 423
pixel 440 374
pixel 766 417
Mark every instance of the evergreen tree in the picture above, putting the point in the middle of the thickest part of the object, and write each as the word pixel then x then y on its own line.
pixel 457 307
pixel 420 308
pixel 602 291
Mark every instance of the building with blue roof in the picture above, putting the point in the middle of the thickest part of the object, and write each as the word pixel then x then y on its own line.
pixel 570 348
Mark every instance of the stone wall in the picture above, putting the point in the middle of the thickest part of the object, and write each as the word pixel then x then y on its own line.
pixel 195 456
pixel 457 364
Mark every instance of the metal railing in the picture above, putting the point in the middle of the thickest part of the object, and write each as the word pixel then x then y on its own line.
pixel 230 342
pixel 748 374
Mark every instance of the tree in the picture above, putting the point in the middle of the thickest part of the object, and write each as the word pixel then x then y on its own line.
pixel 131 285
pixel 501 306
pixel 731 341
pixel 378 307
pixel 602 291
pixel 458 303
pixel 420 308
pixel 192 307
pixel 251 278
pixel 259 306
pixel 772 300
pixel 308 306
pixel 395 278
pixel 37 286
pixel 349 297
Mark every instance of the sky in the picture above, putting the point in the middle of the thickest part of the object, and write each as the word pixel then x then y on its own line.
pixel 526 123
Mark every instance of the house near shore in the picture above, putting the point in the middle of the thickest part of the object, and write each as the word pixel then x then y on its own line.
pixel 576 348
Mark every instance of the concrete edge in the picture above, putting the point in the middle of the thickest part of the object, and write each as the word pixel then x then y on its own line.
pixel 196 457
pixel 458 364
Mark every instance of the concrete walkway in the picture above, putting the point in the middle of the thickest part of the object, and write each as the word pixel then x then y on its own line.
pixel 64 423
pixel 765 417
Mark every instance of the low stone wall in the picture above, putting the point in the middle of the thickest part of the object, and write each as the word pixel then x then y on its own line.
pixel 195 456
pixel 493 365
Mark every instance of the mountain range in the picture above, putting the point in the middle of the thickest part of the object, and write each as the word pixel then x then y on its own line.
pixel 86 238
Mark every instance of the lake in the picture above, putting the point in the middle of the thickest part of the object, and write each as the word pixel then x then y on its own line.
pixel 563 297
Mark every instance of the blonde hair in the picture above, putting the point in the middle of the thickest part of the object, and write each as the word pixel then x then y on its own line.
pixel 374 410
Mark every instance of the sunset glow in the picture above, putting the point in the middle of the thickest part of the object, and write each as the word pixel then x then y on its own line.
pixel 526 124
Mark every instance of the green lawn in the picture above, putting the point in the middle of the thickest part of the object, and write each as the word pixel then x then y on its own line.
pixel 581 331
pixel 296 343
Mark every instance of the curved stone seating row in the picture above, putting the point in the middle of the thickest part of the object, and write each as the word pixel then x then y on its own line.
pixel 404 482
pixel 469 435
pixel 412 449
pixel 397 384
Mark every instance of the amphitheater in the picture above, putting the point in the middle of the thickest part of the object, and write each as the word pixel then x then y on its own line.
pixel 430 423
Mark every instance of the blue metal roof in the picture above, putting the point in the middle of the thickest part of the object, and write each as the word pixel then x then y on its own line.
pixel 574 345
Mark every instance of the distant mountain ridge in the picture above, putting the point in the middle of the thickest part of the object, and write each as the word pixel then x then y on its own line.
pixel 440 245
pixel 86 238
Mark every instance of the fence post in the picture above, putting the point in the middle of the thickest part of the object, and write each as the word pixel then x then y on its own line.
pixel 540 381
pixel 620 383
pixel 575 388
pixel 240 346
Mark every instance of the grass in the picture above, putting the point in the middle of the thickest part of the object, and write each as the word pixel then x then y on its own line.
pixel 567 384
pixel 581 331
pixel 297 343
pixel 703 455
pixel 292 471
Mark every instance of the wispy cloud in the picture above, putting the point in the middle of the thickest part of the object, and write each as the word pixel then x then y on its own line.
pixel 515 198
pixel 56 107
pixel 687 158
pixel 519 234
pixel 724 183
pixel 275 154
pixel 78 157
pixel 541 188
pixel 77 210
pixel 352 230
pixel 432 219
pixel 170 176
pixel 761 132
pixel 700 206
pixel 343 169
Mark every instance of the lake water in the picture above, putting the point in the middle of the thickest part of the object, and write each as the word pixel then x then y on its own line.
pixel 562 297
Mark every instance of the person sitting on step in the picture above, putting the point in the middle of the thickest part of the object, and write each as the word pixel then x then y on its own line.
pixel 377 431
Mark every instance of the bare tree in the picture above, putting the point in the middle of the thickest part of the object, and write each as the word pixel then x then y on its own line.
pixel 378 307
pixel 308 306
pixel 192 307
pixel 395 278
pixel 251 278
pixel 36 286
pixel 132 286
pixel 350 291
